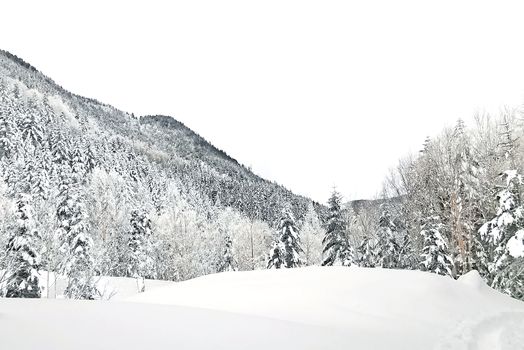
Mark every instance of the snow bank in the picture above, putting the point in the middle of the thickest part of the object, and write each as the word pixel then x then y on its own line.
pixel 390 309
pixel 308 308
pixel 109 288
pixel 328 295
pixel 473 280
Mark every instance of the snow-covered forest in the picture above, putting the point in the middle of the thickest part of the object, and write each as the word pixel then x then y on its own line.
pixel 87 191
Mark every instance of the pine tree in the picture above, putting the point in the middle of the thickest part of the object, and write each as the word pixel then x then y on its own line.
pixel 23 257
pixel 337 248
pixel 435 255
pixel 367 254
pixel 347 253
pixel 286 251
pixel 228 262
pixel 31 127
pixel 505 236
pixel 77 244
pixel 275 257
pixel 388 250
pixel 139 244
pixel 6 133
pixel 407 259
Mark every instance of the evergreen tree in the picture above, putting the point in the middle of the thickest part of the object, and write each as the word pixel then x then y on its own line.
pixel 139 244
pixel 388 250
pixel 505 236
pixel 435 255
pixel 228 262
pixel 23 257
pixel 7 128
pixel 275 257
pixel 31 127
pixel 407 259
pixel 286 251
pixel 367 254
pixel 337 248
pixel 77 244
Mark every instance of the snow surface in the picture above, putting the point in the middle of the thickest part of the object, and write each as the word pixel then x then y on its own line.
pixel 307 308
pixel 109 288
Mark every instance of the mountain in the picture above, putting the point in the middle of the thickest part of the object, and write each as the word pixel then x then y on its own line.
pixel 210 170
pixel 58 147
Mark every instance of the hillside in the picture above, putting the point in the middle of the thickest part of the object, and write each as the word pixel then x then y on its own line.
pixel 192 193
pixel 196 162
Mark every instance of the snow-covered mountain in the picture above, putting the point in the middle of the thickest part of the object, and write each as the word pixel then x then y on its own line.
pixel 150 143
pixel 108 168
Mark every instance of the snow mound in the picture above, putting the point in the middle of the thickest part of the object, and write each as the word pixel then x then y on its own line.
pixel 408 308
pixel 473 279
pixel 308 308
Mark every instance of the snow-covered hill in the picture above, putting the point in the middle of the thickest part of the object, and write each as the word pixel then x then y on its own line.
pixel 308 308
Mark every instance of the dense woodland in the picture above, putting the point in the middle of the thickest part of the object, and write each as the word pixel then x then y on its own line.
pixel 87 190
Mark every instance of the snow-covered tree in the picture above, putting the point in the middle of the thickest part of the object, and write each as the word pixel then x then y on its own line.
pixel 139 244
pixel 275 259
pixel 22 255
pixel 407 259
pixel 31 127
pixel 464 199
pixel 337 248
pixel 287 249
pixel 367 252
pixel 435 254
pixel 228 261
pixel 7 129
pixel 505 236
pixel 73 232
pixel 387 248
pixel 311 237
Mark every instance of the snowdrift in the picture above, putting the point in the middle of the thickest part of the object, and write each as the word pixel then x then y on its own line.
pixel 308 308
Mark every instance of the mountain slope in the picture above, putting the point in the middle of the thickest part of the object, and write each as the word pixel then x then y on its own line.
pixel 192 194
pixel 219 174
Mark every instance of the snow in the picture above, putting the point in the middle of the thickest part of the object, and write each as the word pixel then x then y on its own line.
pixel 303 308
pixel 516 244
pixel 473 280
pixel 110 288
pixel 60 108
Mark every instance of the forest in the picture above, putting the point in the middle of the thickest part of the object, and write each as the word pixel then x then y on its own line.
pixel 87 190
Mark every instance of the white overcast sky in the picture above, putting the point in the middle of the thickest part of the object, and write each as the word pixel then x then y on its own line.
pixel 308 93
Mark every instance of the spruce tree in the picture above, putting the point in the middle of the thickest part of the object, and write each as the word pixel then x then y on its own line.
pixel 337 248
pixel 7 129
pixel 505 236
pixel 435 254
pixel 286 251
pixel 407 259
pixel 275 257
pixel 139 244
pixel 388 250
pixel 367 254
pixel 228 261
pixel 23 257
pixel 31 127
pixel 78 264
